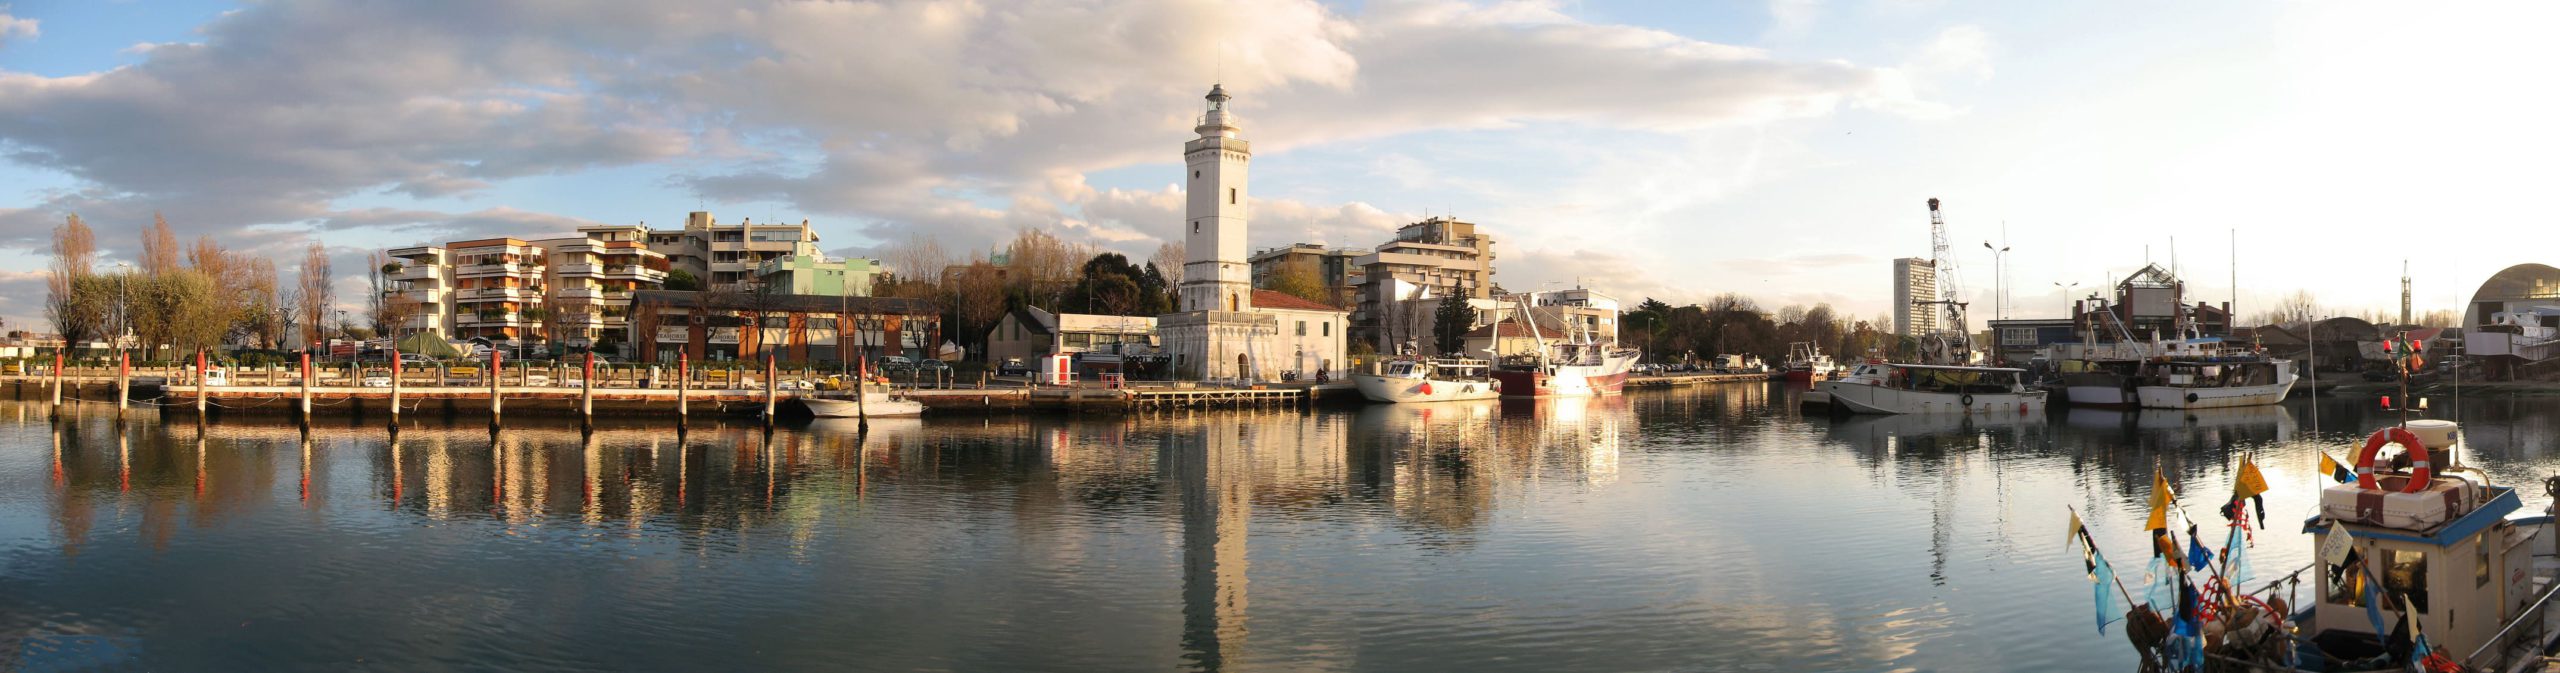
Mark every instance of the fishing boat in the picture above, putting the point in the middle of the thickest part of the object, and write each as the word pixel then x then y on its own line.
pixel 1895 388
pixel 2215 382
pixel 1574 365
pixel 875 401
pixel 1429 380
pixel 1806 363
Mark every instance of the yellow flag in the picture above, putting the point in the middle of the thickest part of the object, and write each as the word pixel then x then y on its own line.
pixel 2074 540
pixel 2250 482
pixel 2159 502
pixel 2328 465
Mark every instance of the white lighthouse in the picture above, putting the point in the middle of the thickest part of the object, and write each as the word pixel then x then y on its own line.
pixel 1226 330
pixel 1216 275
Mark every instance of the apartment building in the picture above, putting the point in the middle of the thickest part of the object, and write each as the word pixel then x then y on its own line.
pixel 1915 284
pixel 813 274
pixel 1430 259
pixel 1338 268
pixel 717 327
pixel 591 281
pixel 505 291
pixel 726 257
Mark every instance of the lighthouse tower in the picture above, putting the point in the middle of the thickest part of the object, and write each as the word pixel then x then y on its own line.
pixel 1216 275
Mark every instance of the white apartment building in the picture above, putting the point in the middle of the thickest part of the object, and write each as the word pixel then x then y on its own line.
pixel 1433 258
pixel 725 257
pixel 1915 283
pixel 503 290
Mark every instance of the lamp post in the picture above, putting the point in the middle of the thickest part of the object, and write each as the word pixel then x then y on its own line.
pixel 1999 274
pixel 2066 294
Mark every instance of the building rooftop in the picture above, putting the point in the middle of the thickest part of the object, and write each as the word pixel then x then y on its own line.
pixel 1287 302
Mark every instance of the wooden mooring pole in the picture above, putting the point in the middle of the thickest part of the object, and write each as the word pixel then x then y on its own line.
pixel 200 384
pixel 684 388
pixel 395 389
pixel 124 378
pixel 587 392
pixel 769 388
pixel 57 380
pixel 306 387
pixel 497 403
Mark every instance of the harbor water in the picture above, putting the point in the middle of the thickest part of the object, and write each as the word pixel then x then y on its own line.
pixel 1703 529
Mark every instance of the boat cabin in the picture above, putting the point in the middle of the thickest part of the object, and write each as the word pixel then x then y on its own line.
pixel 2446 551
pixel 2220 373
pixel 1940 378
pixel 1443 369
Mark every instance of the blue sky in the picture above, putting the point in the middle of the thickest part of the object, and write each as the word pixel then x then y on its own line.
pixel 1677 150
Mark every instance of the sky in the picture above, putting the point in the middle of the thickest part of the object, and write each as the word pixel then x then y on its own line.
pixel 1783 150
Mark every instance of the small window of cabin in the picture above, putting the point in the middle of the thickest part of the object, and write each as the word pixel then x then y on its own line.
pixel 2406 575
pixel 2480 572
pixel 2346 585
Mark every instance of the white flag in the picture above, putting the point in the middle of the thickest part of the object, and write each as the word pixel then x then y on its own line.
pixel 2334 549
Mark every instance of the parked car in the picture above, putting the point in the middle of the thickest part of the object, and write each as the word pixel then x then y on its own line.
pixel 1013 367
pixel 932 368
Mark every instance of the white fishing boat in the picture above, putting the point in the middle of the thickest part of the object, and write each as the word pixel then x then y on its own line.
pixel 2215 383
pixel 1429 380
pixel 876 402
pixel 1894 388
pixel 1806 363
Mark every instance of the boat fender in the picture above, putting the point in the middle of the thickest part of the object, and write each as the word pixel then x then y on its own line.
pixel 2022 408
pixel 1497 385
pixel 2421 470
pixel 1426 387
pixel 2191 398
pixel 1967 400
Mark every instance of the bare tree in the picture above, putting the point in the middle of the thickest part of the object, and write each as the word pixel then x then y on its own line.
pixel 313 293
pixel 264 311
pixel 159 248
pixel 977 297
pixel 918 258
pixel 1168 259
pixel 2296 307
pixel 75 251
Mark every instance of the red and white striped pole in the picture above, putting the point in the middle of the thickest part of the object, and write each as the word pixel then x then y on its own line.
pixel 124 378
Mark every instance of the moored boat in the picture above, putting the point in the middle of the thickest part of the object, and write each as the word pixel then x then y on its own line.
pixel 875 402
pixel 2207 383
pixel 1806 363
pixel 1894 388
pixel 1570 370
pixel 1428 380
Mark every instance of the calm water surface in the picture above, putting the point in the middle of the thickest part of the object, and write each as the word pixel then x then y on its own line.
pixel 1710 529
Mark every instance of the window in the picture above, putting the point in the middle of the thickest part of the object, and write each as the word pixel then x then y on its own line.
pixel 2480 575
pixel 1302 328
pixel 777 321
pixel 822 323
pixel 1195 226
pixel 2346 585
pixel 1328 328
pixel 1231 195
pixel 2406 575
pixel 1195 175
pixel 2017 336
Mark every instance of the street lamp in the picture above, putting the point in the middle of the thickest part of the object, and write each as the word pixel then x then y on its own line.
pixel 1999 266
pixel 2066 295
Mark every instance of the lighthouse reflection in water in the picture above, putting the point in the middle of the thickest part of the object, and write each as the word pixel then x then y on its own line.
pixel 1703 529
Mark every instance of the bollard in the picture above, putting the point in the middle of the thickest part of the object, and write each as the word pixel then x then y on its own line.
pixel 769 385
pixel 395 387
pixel 496 364
pixel 124 379
pixel 306 387
pixel 57 380
pixel 200 384
pixel 587 391
pixel 684 386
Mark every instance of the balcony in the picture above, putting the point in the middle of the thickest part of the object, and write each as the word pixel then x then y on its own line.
pixel 491 320
pixel 497 293
pixel 418 273
pixel 581 318
pixel 580 269
pixel 503 269
pixel 636 273
pixel 424 252
pixel 587 293
pixel 427 295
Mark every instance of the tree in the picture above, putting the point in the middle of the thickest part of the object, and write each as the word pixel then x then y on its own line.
pixel 2296 307
pixel 1298 278
pixel 1169 259
pixel 1450 323
pixel 74 252
pixel 264 310
pixel 377 274
pixel 159 248
pixel 683 281
pixel 1110 285
pixel 314 294
pixel 977 294
pixel 918 258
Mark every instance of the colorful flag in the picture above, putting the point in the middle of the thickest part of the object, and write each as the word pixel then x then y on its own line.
pixel 2335 470
pixel 2160 498
pixel 2110 606
pixel 2233 552
pixel 2335 546
pixel 2160 588
pixel 2250 482
pixel 2197 556
pixel 2373 605
pixel 2074 537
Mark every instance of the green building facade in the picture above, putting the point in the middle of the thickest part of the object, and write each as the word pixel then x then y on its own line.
pixel 811 275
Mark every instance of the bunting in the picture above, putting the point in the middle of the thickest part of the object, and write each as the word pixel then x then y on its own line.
pixel 2234 553
pixel 2250 483
pixel 2076 531
pixel 2335 470
pixel 2110 606
pixel 2160 499
pixel 2197 556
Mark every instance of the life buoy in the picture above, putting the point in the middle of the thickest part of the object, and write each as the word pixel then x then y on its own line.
pixel 1426 387
pixel 1967 400
pixel 2421 470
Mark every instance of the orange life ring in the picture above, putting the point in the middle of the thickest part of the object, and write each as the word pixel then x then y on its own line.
pixel 2420 469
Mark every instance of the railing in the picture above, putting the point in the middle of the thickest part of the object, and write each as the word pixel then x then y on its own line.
pixel 2532 615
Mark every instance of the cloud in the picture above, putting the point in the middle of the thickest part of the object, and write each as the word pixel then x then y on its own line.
pixel 966 120
pixel 14 27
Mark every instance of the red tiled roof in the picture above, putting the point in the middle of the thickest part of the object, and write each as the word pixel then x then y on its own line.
pixel 1287 302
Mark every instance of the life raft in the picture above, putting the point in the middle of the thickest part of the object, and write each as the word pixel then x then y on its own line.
pixel 2421 470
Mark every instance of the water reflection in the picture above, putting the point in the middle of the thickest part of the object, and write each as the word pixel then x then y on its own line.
pixel 1713 527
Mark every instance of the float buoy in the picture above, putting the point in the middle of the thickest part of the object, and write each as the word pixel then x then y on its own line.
pixel 1426 387
pixel 1967 400
pixel 2421 470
